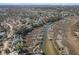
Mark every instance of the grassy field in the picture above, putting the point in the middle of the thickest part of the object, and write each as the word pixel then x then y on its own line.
pixel 49 48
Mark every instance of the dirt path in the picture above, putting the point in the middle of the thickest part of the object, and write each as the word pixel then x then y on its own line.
pixel 68 39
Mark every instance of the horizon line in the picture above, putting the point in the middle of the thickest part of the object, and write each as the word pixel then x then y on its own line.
pixel 39 3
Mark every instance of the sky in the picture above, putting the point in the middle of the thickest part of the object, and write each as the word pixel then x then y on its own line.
pixel 49 2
